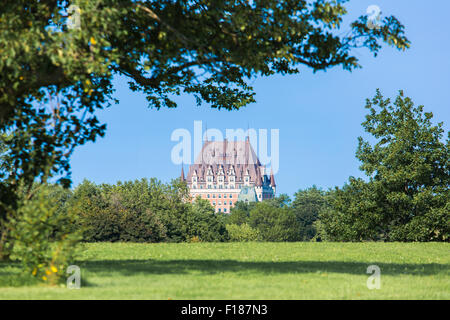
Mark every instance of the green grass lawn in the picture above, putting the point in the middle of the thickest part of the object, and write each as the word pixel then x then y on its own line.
pixel 247 271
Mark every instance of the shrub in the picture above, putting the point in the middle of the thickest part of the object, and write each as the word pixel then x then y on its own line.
pixel 306 205
pixel 242 233
pixel 141 227
pixel 44 237
pixel 194 239
pixel 274 223
pixel 201 221
pixel 120 212
pixel 145 211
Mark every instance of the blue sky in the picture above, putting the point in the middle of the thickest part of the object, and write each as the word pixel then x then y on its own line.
pixel 318 115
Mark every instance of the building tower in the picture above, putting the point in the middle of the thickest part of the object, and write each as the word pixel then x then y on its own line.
pixel 226 171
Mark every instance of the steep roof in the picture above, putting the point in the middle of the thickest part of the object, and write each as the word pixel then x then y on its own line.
pixel 219 156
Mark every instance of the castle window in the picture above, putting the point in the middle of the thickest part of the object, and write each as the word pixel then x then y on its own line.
pixel 225 210
pixel 231 203
pixel 208 195
pixel 220 203
pixel 214 195
pixel 220 210
pixel 214 203
pixel 220 196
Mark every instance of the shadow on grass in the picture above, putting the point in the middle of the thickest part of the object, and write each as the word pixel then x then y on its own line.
pixel 12 276
pixel 131 267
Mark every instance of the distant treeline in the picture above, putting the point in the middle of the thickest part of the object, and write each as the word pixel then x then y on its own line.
pixel 150 211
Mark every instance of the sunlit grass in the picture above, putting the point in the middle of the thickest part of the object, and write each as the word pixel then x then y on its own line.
pixel 247 271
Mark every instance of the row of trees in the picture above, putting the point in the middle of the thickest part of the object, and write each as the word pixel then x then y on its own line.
pixel 151 211
pixel 144 211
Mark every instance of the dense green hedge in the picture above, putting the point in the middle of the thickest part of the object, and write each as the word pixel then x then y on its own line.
pixel 151 211
pixel 143 211
pixel 277 219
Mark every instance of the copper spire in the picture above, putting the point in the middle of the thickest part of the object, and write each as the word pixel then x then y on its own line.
pixel 272 178
pixel 182 173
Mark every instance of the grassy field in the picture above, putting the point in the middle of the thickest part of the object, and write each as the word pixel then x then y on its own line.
pixel 247 271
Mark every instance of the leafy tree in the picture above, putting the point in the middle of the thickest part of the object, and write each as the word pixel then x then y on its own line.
pixel 306 205
pixel 130 211
pixel 44 237
pixel 202 222
pixel 354 214
pixel 282 200
pixel 274 223
pixel 240 213
pixel 145 211
pixel 159 44
pixel 407 197
pixel 97 219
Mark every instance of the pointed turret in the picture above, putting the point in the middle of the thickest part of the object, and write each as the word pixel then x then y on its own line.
pixel 182 173
pixel 272 179
pixel 224 151
pixel 258 179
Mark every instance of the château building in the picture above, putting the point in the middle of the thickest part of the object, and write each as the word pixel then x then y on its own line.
pixel 228 171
